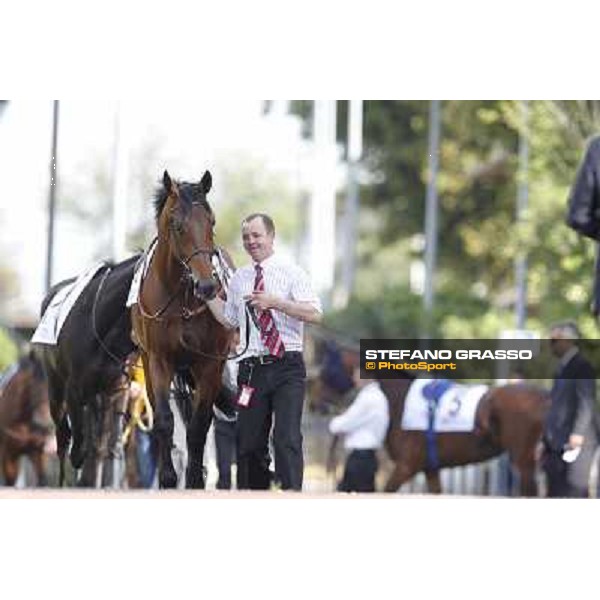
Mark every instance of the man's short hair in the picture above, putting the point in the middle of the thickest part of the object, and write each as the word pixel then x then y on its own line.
pixel 566 330
pixel 266 219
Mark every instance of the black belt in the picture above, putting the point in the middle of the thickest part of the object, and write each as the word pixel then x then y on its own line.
pixel 267 359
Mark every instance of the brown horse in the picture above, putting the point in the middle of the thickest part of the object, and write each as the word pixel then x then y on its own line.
pixel 172 324
pixel 508 419
pixel 25 421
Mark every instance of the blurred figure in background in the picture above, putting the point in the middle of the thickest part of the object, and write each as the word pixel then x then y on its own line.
pixel 364 427
pixel 570 432
pixel 141 468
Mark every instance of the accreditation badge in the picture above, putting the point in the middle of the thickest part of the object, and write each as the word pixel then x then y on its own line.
pixel 245 396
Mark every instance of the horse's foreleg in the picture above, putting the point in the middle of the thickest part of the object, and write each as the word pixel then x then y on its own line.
pixel 76 416
pixel 527 481
pixel 10 468
pixel 90 475
pixel 63 437
pixel 163 429
pixel 434 485
pixel 208 384
pixel 61 423
pixel 400 475
pixel 158 382
pixel 196 441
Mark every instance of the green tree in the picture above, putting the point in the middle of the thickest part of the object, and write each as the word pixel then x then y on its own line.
pixel 8 350
pixel 478 236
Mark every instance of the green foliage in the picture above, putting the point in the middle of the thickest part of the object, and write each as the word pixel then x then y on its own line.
pixel 479 238
pixel 247 187
pixel 8 350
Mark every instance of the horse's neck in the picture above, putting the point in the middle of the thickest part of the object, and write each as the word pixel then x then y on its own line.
pixel 166 271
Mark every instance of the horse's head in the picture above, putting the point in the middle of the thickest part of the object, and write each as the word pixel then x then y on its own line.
pixel 25 400
pixel 186 222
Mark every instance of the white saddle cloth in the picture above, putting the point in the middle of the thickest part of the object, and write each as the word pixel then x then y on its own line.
pixel 140 272
pixel 455 409
pixel 60 306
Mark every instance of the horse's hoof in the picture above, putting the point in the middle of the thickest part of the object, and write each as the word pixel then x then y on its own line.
pixel 168 480
pixel 194 481
pixel 195 477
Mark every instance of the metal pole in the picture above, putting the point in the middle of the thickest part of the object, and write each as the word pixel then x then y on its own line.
pixel 120 179
pixel 355 127
pixel 431 213
pixel 522 201
pixel 322 206
pixel 52 197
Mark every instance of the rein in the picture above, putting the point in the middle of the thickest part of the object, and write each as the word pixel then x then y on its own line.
pixel 222 271
pixel 186 313
pixel 119 360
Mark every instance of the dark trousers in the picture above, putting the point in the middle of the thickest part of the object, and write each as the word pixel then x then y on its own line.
pixel 359 472
pixel 556 474
pixel 225 449
pixel 279 390
pixel 568 480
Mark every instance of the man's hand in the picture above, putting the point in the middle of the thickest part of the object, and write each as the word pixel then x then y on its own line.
pixel 262 300
pixel 299 310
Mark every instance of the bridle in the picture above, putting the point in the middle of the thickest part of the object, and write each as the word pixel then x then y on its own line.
pixel 185 262
pixel 186 281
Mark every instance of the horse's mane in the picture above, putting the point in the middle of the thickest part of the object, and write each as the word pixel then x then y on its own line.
pixel 190 193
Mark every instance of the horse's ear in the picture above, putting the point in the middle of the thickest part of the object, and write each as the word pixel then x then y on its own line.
pixel 167 181
pixel 206 182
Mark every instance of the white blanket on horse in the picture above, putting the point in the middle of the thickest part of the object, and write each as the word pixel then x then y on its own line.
pixel 455 409
pixel 60 306
pixel 140 272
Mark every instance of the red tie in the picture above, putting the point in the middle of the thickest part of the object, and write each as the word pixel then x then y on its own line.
pixel 268 330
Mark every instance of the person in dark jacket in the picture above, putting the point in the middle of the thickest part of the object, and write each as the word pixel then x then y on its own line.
pixel 583 213
pixel 570 431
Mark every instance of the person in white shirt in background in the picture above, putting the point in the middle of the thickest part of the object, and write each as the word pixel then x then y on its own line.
pixel 364 426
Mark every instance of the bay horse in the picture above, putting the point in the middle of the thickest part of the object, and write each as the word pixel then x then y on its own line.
pixel 172 324
pixel 86 372
pixel 509 418
pixel 25 422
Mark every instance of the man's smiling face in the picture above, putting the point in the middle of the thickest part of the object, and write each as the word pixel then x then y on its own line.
pixel 258 242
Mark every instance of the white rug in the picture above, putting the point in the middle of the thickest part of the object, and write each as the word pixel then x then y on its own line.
pixel 140 272
pixel 60 306
pixel 455 410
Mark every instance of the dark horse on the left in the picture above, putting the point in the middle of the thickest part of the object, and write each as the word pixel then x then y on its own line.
pixel 25 423
pixel 86 372
pixel 172 324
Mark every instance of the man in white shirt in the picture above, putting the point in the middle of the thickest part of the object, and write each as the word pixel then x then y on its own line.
pixel 364 427
pixel 272 377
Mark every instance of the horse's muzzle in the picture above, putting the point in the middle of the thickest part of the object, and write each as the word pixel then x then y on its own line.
pixel 205 289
